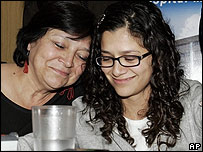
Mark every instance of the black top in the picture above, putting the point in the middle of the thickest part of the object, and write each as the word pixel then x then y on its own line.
pixel 18 119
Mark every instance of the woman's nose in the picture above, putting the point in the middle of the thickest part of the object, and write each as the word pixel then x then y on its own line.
pixel 68 59
pixel 118 69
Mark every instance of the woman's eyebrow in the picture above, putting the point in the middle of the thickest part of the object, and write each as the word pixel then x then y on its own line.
pixel 71 38
pixel 74 39
pixel 104 51
pixel 66 37
pixel 125 51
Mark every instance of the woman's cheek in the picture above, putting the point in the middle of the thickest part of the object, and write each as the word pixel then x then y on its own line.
pixel 83 66
pixel 80 69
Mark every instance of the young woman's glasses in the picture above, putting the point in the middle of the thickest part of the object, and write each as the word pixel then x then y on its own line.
pixel 125 60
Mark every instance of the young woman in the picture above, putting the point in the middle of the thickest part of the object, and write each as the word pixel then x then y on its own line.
pixel 139 98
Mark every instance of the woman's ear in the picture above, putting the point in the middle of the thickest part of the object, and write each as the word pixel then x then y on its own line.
pixel 29 47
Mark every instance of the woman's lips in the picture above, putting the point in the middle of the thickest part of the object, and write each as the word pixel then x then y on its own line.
pixel 61 72
pixel 122 81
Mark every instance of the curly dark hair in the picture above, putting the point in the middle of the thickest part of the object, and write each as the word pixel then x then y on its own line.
pixel 68 16
pixel 145 21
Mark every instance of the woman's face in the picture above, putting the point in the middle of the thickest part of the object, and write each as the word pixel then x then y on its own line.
pixel 127 81
pixel 57 61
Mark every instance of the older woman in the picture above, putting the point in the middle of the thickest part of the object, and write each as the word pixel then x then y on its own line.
pixel 50 57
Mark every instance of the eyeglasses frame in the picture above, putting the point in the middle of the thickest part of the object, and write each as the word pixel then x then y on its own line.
pixel 118 59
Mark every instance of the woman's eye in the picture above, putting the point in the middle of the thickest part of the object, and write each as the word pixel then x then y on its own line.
pixel 59 46
pixel 130 58
pixel 83 58
pixel 105 58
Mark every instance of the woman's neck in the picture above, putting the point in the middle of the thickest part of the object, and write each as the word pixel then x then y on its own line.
pixel 21 89
pixel 136 106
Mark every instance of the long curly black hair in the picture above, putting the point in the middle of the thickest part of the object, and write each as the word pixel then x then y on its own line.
pixel 145 21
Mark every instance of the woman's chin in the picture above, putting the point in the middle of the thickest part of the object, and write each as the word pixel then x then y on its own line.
pixel 124 93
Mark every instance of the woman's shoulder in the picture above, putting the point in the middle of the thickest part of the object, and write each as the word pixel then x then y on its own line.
pixel 191 123
pixel 8 71
pixel 83 109
pixel 5 75
pixel 192 98
pixel 25 143
pixel 193 82
pixel 7 68
pixel 78 103
pixel 191 85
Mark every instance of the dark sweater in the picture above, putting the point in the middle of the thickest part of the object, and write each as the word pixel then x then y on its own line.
pixel 18 119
